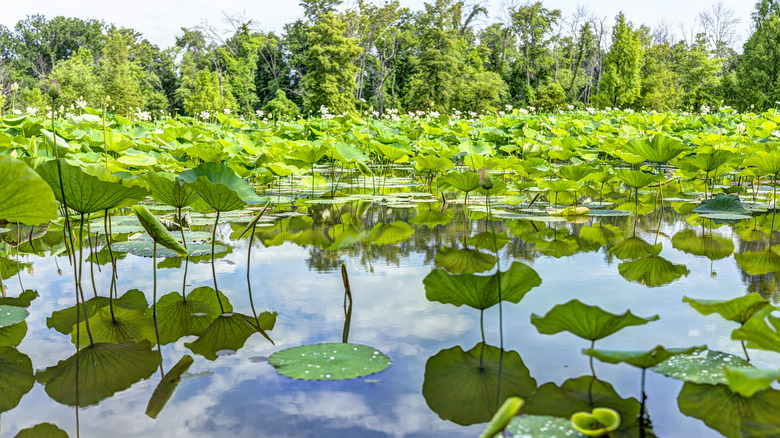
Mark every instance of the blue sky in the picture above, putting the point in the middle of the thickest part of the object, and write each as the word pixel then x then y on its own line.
pixel 160 20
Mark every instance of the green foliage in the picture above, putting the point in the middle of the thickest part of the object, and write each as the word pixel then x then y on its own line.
pixel 280 107
pixel 621 84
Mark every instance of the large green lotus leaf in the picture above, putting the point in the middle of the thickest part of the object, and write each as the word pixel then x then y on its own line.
pixel 23 300
pixel 463 181
pixel 87 193
pixel 639 359
pixel 337 361
pixel 576 172
pixel 347 153
pixel 628 157
pixel 158 232
pixel 142 248
pixel 502 417
pixel 660 149
pixel 704 366
pixel 177 318
pixel 308 154
pixel 225 335
pixel 721 204
pixel 638 178
pixel 220 187
pixel 754 429
pixel 480 291
pixel 17 371
pixel 725 411
pixel 431 216
pixel 167 385
pixel 587 322
pixel 712 247
pixel 119 325
pixel 739 309
pixel 24 196
pixel 317 238
pixel 10 315
pixel 64 320
pixel 168 190
pixel 137 160
pixel 760 331
pixel 387 233
pixel 461 388
pixel 759 262
pixel 488 240
pixel 431 163
pixel 748 381
pixel 558 248
pixel 559 185
pixel 582 395
pixel 463 260
pixel 768 162
pixel 42 430
pixel 12 336
pixel 652 271
pixel 541 426
pixel 103 369
pixel 603 234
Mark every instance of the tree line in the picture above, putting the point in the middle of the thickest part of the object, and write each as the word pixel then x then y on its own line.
pixel 386 58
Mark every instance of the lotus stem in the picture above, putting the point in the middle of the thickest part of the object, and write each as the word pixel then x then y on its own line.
pixel 213 270
pixel 79 289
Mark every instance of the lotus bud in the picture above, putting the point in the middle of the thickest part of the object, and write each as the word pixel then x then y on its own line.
pixel 485 180
pixel 14 86
pixel 54 90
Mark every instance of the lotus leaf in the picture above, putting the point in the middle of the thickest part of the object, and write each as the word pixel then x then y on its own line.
pixel 587 322
pixel 87 193
pixel 762 330
pixel 338 361
pixel 463 181
pixel 64 320
pixel 768 162
pixel 704 366
pixel 748 381
pixel 638 179
pixel 480 291
pixel 603 234
pixel 660 149
pixel 13 335
pixel 759 262
pixel 639 359
pixel 228 332
pixel 165 188
pixel 540 426
pixel 387 233
pixel 460 387
pixel 177 317
pixel 596 423
pixel 101 369
pixel 146 249
pixel 10 315
pixel 42 430
pixel 24 196
pixel 115 326
pixel 722 204
pixel 488 240
pixel 502 417
pixel 712 247
pixel 220 187
pixel 739 309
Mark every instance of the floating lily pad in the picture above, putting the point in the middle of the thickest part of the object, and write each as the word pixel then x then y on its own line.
pixel 146 249
pixel 705 366
pixel 541 426
pixel 10 315
pixel 337 361
pixel 462 386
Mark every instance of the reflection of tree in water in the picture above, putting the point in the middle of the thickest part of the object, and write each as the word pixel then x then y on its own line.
pixel 766 285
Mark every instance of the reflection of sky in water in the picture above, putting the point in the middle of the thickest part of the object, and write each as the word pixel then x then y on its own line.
pixel 241 395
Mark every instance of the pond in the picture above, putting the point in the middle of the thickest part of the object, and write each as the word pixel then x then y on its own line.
pixel 442 380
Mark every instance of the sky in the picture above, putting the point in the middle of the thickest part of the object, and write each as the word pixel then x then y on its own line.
pixel 160 20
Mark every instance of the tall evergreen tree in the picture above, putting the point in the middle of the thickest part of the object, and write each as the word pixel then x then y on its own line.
pixel 621 83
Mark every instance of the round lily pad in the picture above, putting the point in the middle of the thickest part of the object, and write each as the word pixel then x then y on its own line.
pixel 596 212
pixel 329 361
pixel 10 315
pixel 146 249
pixel 704 366
pixel 541 426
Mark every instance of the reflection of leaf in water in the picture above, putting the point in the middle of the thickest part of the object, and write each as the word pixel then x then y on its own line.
pixel 16 369
pixel 121 325
pixel 583 394
pixel 652 271
pixel 337 361
pixel 603 234
pixel 227 333
pixel 562 247
pixel 431 217
pixel 484 240
pixel 712 247
pixel 177 317
pixel 725 411
pixel 220 187
pixel 480 291
pixel 739 309
pixel 587 322
pixel 387 233
pixel 634 248
pixel 13 335
pixel 759 262
pixel 167 385
pixel 23 300
pixel 705 366
pixel 103 369
pixel 42 430
pixel 64 320
pixel 142 248
pixel 458 389
pixel 464 260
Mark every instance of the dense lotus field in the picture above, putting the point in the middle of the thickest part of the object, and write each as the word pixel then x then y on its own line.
pixel 91 188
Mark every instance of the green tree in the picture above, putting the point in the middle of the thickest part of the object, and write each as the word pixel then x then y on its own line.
pixel 660 84
pixel 79 79
pixel 120 76
pixel 280 107
pixel 330 77
pixel 758 74
pixel 621 83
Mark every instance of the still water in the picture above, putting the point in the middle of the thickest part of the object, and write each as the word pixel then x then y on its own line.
pixel 298 275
